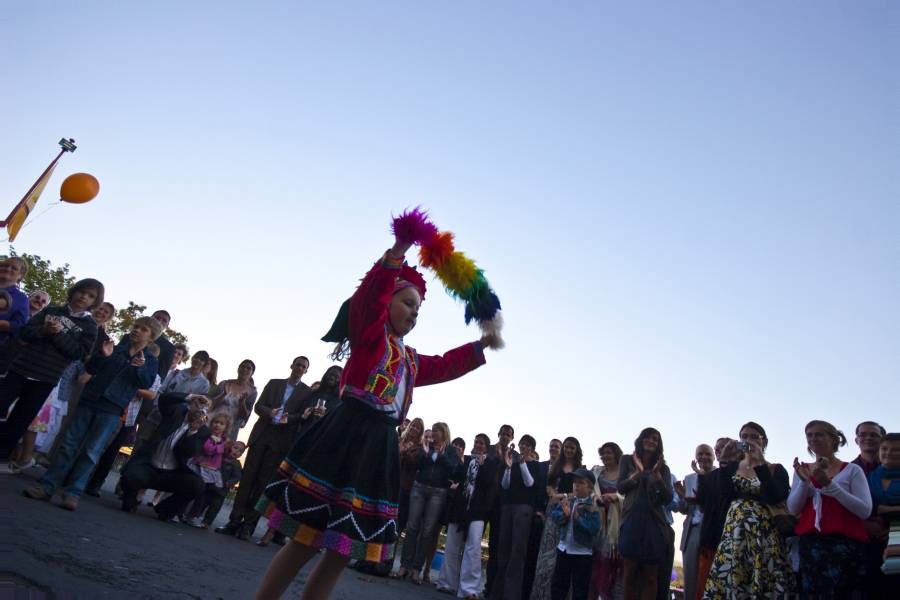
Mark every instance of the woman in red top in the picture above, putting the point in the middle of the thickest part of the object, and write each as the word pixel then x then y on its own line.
pixel 831 498
pixel 338 488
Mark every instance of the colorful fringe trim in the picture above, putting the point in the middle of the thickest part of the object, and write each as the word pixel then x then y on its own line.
pixel 315 538
pixel 460 276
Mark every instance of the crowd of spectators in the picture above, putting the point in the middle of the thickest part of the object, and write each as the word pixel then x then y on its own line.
pixel 554 527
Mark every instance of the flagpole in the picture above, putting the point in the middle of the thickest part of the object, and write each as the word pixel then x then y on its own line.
pixel 68 145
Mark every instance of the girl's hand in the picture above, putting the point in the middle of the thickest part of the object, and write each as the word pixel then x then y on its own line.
pixel 106 348
pixel 755 454
pixel 638 465
pixel 820 472
pixel 307 413
pixel 52 326
pixel 802 469
pixel 696 468
pixel 566 510
pixel 398 250
pixel 608 498
pixel 138 360
pixel 492 341
pixel 679 488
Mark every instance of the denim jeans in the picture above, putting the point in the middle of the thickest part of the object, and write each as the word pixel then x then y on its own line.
pixel 94 430
pixel 426 504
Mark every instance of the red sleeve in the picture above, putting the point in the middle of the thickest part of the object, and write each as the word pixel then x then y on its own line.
pixel 453 364
pixel 369 304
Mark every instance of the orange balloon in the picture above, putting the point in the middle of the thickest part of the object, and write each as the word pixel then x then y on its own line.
pixel 79 188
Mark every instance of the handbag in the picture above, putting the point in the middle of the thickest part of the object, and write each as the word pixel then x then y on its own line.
pixel 782 520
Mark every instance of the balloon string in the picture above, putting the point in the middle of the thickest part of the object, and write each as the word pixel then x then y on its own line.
pixel 39 215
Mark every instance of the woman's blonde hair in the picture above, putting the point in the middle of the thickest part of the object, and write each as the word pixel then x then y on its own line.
pixel 444 429
pixel 837 436
pixel 407 433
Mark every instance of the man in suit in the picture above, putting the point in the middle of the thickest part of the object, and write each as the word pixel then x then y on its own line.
pixel 687 504
pixel 280 410
pixel 161 463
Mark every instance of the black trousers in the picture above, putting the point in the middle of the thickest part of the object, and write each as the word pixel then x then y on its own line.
pixel 515 529
pixel 259 468
pixel 664 578
pixel 31 395
pixel 104 465
pixel 531 555
pixel 210 501
pixel 571 570
pixel 493 563
pixel 184 484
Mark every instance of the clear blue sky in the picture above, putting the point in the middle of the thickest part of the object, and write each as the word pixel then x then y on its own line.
pixel 689 212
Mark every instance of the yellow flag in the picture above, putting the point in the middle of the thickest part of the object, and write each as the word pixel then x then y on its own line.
pixel 17 219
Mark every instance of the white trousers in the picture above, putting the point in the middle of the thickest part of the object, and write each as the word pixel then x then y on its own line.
pixel 461 571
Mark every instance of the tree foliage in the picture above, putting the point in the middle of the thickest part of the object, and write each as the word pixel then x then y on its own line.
pixel 124 318
pixel 42 275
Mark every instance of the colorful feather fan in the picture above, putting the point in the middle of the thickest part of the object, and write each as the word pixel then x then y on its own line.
pixel 458 273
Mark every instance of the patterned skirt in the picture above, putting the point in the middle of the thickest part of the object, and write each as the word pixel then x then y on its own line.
pixel 338 488
pixel 830 565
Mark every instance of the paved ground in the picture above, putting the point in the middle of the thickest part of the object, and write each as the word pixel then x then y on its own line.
pixel 101 552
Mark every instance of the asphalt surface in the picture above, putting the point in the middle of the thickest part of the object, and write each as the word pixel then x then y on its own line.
pixel 101 552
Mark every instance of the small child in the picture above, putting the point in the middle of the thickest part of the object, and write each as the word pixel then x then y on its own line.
pixel 209 465
pixel 578 522
pixel 884 483
pixel 213 497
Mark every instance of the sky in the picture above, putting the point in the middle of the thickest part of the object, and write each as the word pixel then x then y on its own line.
pixel 690 213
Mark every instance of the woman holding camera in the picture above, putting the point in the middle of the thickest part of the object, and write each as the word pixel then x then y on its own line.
pixel 751 561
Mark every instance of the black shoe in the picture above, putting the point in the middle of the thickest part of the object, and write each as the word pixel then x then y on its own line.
pixel 244 533
pixel 165 518
pixel 92 492
pixel 229 528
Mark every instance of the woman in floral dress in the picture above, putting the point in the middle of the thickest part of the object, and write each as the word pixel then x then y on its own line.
pixel 752 559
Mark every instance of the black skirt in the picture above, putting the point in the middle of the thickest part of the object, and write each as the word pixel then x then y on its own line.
pixel 339 486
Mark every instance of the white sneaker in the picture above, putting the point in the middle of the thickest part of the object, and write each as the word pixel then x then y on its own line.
pixel 16 468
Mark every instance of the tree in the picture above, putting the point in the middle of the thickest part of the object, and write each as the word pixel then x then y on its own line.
pixel 42 275
pixel 124 318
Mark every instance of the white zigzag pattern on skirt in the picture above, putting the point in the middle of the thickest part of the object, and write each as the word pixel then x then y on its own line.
pixel 349 515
